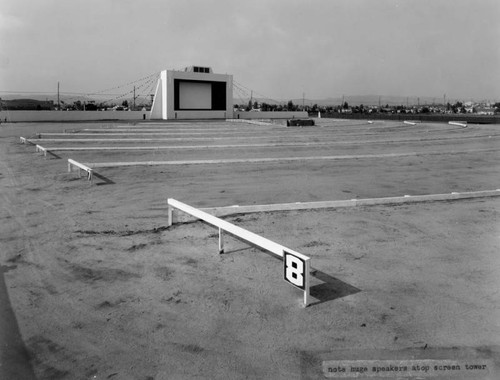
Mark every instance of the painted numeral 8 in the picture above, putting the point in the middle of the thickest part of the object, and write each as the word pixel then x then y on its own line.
pixel 294 270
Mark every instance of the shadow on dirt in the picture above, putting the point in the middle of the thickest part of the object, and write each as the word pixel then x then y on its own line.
pixel 14 356
pixel 53 155
pixel 105 180
pixel 237 250
pixel 330 289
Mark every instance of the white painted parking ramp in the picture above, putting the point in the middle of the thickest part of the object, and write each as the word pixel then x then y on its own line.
pixel 281 159
pixel 405 199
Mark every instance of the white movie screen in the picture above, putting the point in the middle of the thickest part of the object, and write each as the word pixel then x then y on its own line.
pixel 195 95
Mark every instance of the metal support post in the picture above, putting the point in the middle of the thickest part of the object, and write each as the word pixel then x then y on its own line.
pixel 170 215
pixel 307 271
pixel 221 241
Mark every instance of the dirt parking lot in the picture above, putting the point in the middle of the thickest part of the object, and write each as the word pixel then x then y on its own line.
pixel 102 288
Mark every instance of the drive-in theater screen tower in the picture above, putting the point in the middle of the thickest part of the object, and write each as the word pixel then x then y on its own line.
pixel 195 93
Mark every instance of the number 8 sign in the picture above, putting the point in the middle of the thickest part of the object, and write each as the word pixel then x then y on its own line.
pixel 295 270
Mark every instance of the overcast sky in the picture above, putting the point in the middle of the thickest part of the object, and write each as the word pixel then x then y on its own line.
pixel 279 48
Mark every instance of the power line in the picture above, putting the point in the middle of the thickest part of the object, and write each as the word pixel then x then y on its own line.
pixel 101 92
pixel 144 84
pixel 239 95
pixel 255 92
pixel 108 92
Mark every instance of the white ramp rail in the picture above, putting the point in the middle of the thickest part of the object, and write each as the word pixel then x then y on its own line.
pixel 459 123
pixel 296 266
pixel 25 140
pixel 72 163
pixel 41 149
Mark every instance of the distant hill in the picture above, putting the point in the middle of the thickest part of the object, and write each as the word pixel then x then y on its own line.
pixel 354 100
pixel 375 100
pixel 26 104
pixel 13 101
pixel 29 96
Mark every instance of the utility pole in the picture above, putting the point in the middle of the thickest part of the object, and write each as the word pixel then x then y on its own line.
pixel 134 100
pixel 58 103
pixel 303 99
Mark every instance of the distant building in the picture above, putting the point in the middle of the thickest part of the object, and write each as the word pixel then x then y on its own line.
pixel 485 111
pixel 195 93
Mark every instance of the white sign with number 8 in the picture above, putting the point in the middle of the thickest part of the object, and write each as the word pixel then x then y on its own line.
pixel 294 268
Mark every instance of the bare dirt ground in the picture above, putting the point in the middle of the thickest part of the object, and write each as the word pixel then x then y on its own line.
pixel 103 289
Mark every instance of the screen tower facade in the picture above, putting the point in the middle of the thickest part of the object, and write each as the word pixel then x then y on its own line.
pixel 195 93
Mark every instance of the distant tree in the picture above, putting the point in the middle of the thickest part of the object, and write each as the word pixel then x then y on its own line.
pixel 456 108
pixel 345 105
pixel 290 106
pixel 91 107
pixel 125 103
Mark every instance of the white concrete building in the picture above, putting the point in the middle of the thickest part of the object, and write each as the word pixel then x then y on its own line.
pixel 195 93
